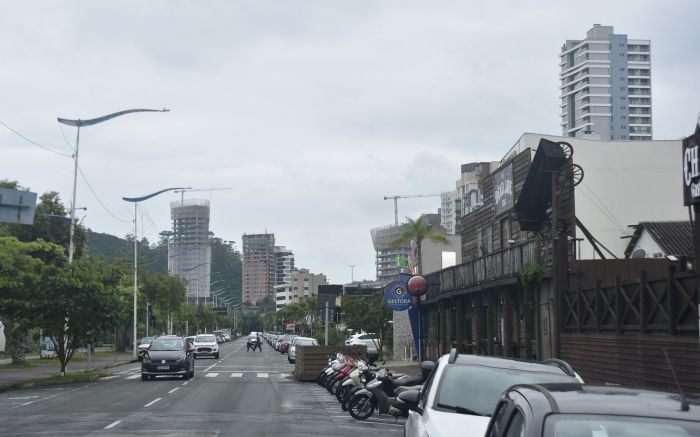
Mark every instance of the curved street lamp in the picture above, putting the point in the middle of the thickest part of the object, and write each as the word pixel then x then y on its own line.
pixel 135 201
pixel 78 123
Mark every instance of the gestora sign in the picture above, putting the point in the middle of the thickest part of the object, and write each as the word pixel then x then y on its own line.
pixel 691 168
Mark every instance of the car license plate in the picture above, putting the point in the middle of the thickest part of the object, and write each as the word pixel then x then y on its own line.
pixel 163 367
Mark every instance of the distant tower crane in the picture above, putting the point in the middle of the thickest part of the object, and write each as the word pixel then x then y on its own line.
pixel 188 190
pixel 408 196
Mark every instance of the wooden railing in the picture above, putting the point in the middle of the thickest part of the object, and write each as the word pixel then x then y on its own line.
pixel 498 265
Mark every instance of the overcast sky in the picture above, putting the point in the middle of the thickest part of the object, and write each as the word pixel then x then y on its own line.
pixel 312 111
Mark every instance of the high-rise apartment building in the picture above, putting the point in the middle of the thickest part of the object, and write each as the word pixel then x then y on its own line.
pixel 258 268
pixel 606 86
pixel 449 211
pixel 284 264
pixel 189 251
pixel 303 285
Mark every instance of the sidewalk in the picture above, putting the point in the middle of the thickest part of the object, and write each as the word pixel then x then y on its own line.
pixel 407 367
pixel 9 377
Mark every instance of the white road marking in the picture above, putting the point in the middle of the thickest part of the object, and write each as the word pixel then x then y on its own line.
pixel 133 376
pixel 174 390
pixel 236 375
pixel 152 402
pixel 211 375
pixel 107 378
pixel 113 424
pixel 263 375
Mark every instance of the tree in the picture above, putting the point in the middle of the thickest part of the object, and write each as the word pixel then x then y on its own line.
pixel 166 293
pixel 21 267
pixel 416 231
pixel 76 303
pixel 366 313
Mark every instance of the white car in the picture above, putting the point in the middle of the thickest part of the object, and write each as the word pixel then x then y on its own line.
pixel 371 340
pixel 463 391
pixel 205 345
pixel 301 341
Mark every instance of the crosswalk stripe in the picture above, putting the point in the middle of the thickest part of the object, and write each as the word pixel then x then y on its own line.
pixel 236 375
pixel 263 375
pixel 211 375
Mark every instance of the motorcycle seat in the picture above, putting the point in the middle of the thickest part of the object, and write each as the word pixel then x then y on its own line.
pixel 407 380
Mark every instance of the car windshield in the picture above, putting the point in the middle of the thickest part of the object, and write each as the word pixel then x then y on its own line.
pixel 600 425
pixel 166 344
pixel 205 339
pixel 473 389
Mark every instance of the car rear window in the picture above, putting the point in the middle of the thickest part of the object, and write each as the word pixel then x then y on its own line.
pixel 603 425
pixel 478 388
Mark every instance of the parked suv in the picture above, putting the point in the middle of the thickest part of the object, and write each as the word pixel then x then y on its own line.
pixel 588 410
pixel 205 345
pixel 463 391
pixel 372 341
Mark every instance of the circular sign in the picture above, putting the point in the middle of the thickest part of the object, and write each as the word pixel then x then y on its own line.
pixel 396 297
pixel 417 286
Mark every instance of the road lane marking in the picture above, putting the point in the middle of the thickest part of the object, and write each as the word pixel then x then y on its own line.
pixel 211 375
pixel 174 390
pixel 152 402
pixel 263 375
pixel 113 424
pixel 236 375
pixel 132 376
pixel 107 378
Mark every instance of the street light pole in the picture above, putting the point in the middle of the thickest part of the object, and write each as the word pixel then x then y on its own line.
pixel 135 201
pixel 78 123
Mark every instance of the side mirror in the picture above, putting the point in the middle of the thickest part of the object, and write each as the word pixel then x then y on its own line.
pixel 411 398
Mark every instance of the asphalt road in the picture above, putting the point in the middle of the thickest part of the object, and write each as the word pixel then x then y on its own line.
pixel 241 394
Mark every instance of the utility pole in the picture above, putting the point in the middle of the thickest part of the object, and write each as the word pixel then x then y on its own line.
pixel 352 271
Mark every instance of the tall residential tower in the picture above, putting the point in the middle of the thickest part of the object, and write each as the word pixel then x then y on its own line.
pixel 606 86
pixel 259 268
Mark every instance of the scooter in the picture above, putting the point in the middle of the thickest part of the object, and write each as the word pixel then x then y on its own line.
pixel 380 394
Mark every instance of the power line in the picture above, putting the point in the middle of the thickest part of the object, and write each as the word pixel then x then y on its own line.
pixel 70 146
pixel 34 142
pixel 602 208
pixel 98 198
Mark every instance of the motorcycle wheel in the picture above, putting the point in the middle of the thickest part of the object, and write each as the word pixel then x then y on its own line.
pixel 342 392
pixel 333 389
pixel 361 407
pixel 348 397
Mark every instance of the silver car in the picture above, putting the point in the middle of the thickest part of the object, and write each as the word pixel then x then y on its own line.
pixel 205 345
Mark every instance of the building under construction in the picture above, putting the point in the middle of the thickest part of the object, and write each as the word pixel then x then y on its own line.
pixel 258 268
pixel 189 252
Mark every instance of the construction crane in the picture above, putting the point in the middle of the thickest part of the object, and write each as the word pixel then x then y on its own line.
pixel 189 190
pixel 408 196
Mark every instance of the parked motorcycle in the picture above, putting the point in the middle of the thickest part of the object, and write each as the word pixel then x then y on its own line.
pixel 380 394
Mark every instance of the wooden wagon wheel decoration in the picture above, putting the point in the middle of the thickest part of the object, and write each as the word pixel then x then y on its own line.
pixel 567 149
pixel 570 175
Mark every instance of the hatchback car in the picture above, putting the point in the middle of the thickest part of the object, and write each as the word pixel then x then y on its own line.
pixel 299 341
pixel 169 356
pixel 205 345
pixel 463 391
pixel 592 411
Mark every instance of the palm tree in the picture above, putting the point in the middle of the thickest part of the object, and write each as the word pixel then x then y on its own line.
pixel 417 231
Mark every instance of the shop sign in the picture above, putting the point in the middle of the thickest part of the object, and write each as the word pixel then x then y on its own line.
pixel 396 296
pixel 691 168
pixel 503 189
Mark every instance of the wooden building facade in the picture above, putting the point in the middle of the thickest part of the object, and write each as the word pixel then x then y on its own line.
pixel 614 321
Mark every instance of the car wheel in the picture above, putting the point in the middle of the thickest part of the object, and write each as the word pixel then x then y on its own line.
pixel 216 355
pixel 361 407
pixel 144 377
pixel 152 377
pixel 186 376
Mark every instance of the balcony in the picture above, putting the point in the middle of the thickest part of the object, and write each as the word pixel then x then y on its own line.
pixel 507 263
